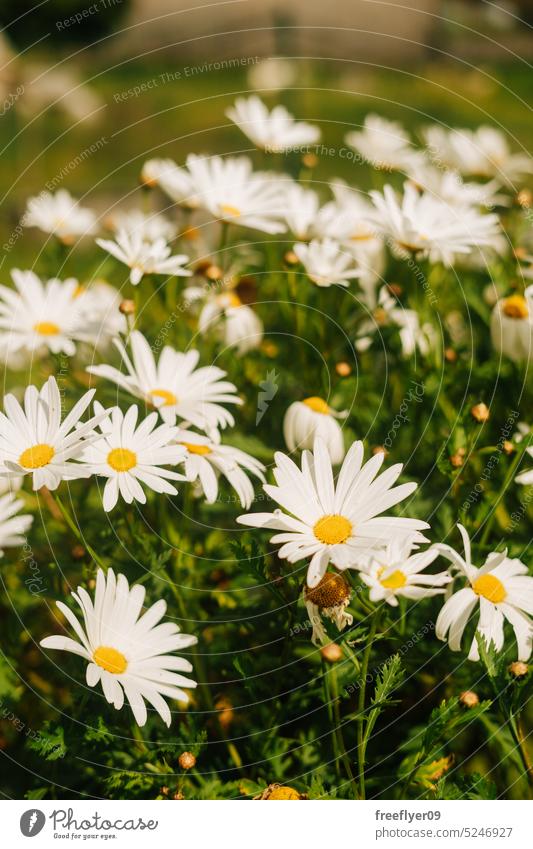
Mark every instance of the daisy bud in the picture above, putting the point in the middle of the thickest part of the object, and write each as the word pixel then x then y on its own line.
pixel 78 552
pixel 457 459
pixel 518 669
pixel 163 791
pixel 520 252
pixel 450 355
pixel 309 160
pixel 270 349
pixel 290 258
pixel 469 699
pixel 312 417
pixel 279 792
pixel 524 198
pixel 178 796
pixel 343 369
pixel 508 447
pixel 332 652
pixel 127 307
pixel 226 715
pixel 395 289
pixel 187 760
pixel 214 273
pixel 480 412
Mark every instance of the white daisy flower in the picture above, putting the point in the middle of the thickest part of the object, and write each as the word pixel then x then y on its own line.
pixel 346 220
pixel 206 460
pixel 483 152
pixel 236 324
pixel 330 522
pixel 13 527
pixel 327 263
pixel 127 653
pixel 301 208
pixel 384 144
pixel 149 227
pixel 173 384
pixel 502 589
pixel 34 441
pixel 128 454
pixel 511 326
pixel 144 257
pixel 100 304
pixel 59 214
pixel 395 572
pixel 275 131
pixel 37 317
pixel 175 181
pixel 413 335
pixel 11 485
pixel 274 73
pixel 312 417
pixel 449 187
pixel 231 191
pixel 418 223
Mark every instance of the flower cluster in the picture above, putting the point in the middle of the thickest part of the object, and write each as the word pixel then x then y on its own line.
pixel 153 417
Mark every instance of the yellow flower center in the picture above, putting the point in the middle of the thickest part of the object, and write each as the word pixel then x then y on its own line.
pixel 395 580
pixel 168 397
pixel 110 659
pixel 196 449
pixel 333 529
pixel 46 328
pixel 230 211
pixel 230 299
pixel 37 456
pixel 316 404
pixel 490 588
pixel 280 794
pixel 122 459
pixel 515 307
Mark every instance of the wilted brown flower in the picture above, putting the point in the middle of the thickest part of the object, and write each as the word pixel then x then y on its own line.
pixel 330 591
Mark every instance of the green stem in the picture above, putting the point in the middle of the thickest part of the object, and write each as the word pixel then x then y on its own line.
pixel 76 531
pixel 514 726
pixel 524 445
pixel 361 739
pixel 328 698
pixel 338 727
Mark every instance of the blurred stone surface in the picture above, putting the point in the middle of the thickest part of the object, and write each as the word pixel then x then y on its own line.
pixel 371 29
